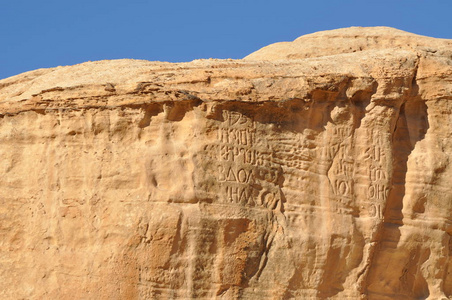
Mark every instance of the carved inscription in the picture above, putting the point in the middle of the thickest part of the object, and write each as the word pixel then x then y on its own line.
pixel 341 171
pixel 378 189
pixel 375 210
pixel 241 137
pixel 241 154
pixel 245 172
pixel 234 174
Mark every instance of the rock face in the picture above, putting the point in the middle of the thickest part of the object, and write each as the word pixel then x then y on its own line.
pixel 315 169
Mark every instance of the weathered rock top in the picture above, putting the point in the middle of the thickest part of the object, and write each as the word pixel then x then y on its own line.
pixel 351 40
pixel 277 72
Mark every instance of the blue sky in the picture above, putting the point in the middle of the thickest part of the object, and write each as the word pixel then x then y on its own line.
pixel 48 33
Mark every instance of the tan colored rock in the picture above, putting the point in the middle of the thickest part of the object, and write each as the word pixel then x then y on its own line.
pixel 316 169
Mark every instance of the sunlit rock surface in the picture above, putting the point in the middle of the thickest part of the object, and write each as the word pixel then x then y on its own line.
pixel 315 169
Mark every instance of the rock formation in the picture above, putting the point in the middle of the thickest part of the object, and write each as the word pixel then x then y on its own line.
pixel 313 169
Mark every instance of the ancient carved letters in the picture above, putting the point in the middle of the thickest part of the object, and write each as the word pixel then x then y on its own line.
pixel 378 189
pixel 244 171
pixel 342 163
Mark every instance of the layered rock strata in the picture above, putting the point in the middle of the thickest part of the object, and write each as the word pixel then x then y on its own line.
pixel 315 169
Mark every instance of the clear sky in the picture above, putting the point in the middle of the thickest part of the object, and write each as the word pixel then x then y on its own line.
pixel 48 33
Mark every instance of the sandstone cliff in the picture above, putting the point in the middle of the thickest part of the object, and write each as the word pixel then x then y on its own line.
pixel 315 169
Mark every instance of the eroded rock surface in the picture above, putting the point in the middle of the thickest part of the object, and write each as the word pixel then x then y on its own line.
pixel 316 169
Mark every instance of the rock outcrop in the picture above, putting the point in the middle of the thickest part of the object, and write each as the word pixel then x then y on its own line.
pixel 315 169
